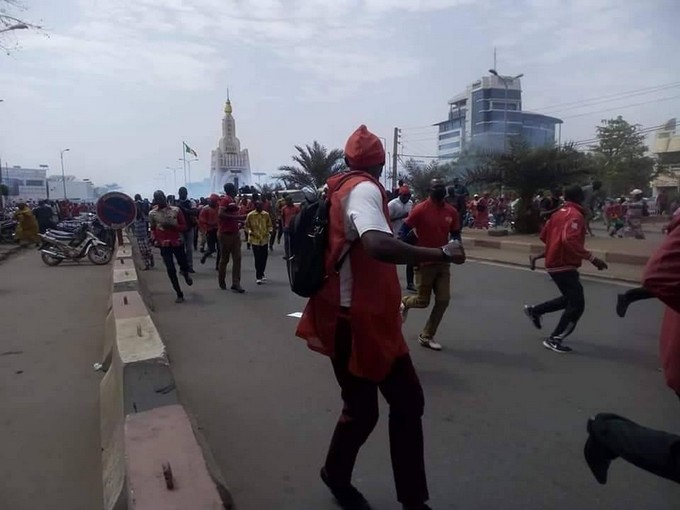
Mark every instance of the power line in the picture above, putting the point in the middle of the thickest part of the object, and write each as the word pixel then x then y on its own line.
pixel 621 107
pixel 610 97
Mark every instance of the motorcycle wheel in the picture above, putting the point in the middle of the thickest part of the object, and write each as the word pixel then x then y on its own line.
pixel 100 255
pixel 50 260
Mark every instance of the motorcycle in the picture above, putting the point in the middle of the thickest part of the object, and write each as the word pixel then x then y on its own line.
pixel 60 245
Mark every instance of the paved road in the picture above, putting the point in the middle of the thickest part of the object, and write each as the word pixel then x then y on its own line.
pixel 505 419
pixel 53 327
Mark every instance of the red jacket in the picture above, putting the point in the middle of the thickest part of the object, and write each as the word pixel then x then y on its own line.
pixel 662 278
pixel 167 223
pixel 374 318
pixel 564 236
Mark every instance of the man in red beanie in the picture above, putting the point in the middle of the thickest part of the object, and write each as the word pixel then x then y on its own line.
pixel 360 329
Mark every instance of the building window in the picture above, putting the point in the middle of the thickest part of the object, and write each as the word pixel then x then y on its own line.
pixel 35 183
pixel 451 145
pixel 502 105
pixel 446 136
pixel 449 125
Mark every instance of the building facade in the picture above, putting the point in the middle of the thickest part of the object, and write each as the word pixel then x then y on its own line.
pixel 228 162
pixel 76 190
pixel 666 148
pixel 487 116
pixel 25 183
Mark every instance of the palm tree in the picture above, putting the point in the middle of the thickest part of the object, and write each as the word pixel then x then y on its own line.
pixel 317 164
pixel 527 170
pixel 418 176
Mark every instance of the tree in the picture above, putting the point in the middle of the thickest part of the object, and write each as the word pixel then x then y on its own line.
pixel 317 164
pixel 620 154
pixel 526 170
pixel 10 21
pixel 418 175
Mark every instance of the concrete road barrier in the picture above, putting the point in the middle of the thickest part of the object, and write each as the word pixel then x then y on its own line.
pixel 142 422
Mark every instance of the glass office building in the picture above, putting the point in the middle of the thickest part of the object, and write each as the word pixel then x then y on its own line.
pixel 487 116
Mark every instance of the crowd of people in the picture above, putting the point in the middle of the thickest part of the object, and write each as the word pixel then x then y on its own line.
pixel 24 220
pixel 370 232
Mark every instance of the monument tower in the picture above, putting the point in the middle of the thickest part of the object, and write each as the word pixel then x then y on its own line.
pixel 229 163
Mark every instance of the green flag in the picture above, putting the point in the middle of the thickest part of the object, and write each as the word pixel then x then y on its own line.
pixel 190 150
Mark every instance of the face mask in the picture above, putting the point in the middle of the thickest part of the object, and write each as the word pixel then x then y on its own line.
pixel 438 193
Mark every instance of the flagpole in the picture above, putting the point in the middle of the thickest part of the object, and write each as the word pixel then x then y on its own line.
pixel 184 161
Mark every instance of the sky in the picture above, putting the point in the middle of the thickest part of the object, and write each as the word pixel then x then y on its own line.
pixel 122 83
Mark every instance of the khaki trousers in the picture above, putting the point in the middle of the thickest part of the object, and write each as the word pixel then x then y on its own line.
pixel 230 247
pixel 431 279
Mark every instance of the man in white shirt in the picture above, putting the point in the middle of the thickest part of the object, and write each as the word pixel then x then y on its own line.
pixel 399 209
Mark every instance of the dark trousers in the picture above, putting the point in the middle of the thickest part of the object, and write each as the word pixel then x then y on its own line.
pixel 409 275
pixel 286 243
pixel 279 231
pixel 169 253
pixel 401 388
pixel 572 301
pixel 652 450
pixel 260 254
pixel 213 246
pixel 272 236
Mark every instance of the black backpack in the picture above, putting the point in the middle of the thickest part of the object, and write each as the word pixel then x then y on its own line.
pixel 308 239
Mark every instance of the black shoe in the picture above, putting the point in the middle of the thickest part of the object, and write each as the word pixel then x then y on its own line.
pixel 222 285
pixel 152 262
pixel 180 299
pixel 621 305
pixel 347 496
pixel 188 279
pixel 597 457
pixel 203 259
pixel 556 345
pixel 238 289
pixel 192 271
pixel 534 317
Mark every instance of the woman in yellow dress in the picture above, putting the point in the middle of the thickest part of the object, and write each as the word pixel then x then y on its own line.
pixel 27 229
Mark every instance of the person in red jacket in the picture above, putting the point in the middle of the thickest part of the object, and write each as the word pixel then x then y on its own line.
pixel 354 319
pixel 167 224
pixel 564 237
pixel 208 222
pixel 611 436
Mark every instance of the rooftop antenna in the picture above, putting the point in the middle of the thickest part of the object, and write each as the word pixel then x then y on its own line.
pixel 494 58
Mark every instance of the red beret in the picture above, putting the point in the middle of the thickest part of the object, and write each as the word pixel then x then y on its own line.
pixel 364 150
pixel 404 190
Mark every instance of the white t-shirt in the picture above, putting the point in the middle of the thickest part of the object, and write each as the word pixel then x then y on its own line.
pixel 401 210
pixel 363 208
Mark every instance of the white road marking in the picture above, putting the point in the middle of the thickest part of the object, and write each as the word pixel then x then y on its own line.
pixel 539 270
pixel 297 315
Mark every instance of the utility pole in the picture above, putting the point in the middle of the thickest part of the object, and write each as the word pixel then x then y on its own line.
pixel 395 150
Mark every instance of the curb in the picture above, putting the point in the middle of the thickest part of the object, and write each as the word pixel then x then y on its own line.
pixel 152 455
pixel 591 276
pixel 534 248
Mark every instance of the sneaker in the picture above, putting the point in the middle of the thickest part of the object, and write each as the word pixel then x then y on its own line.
pixel 403 311
pixel 430 343
pixel 347 496
pixel 238 289
pixel 556 345
pixel 192 271
pixel 180 299
pixel 259 282
pixel 621 305
pixel 264 279
pixel 412 288
pixel 188 279
pixel 203 259
pixel 534 317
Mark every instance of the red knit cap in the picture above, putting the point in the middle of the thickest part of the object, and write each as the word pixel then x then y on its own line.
pixel 364 150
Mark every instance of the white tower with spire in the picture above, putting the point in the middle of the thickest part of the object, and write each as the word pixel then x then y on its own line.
pixel 229 163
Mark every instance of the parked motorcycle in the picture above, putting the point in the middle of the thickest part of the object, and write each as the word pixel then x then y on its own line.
pixel 60 245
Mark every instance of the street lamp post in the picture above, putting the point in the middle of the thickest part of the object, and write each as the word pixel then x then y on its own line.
pixel 18 26
pixel 63 175
pixel 174 174
pixel 258 175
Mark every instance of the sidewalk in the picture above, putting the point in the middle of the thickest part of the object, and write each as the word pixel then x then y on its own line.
pixel 626 257
pixel 53 326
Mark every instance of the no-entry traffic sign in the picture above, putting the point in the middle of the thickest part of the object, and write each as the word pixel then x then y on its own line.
pixel 116 210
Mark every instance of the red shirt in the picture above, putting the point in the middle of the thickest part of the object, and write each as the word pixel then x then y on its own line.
pixel 166 225
pixel 208 219
pixel 288 212
pixel 228 225
pixel 434 223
